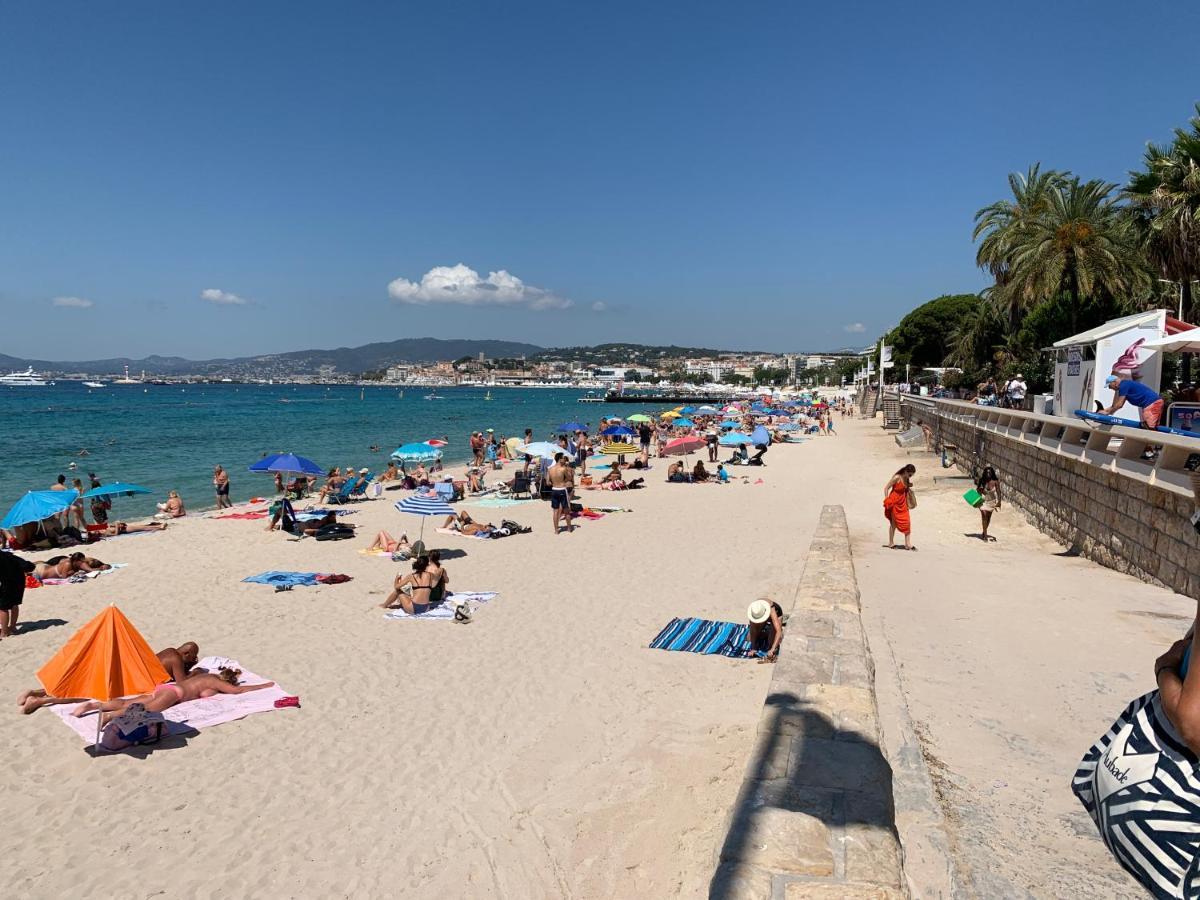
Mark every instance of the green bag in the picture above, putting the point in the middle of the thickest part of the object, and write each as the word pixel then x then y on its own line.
pixel 974 497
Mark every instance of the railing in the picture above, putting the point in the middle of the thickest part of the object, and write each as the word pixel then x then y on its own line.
pixel 1116 448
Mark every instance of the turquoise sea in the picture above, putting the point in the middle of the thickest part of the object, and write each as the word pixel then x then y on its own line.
pixel 170 437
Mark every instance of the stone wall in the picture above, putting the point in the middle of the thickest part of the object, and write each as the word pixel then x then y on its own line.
pixel 814 817
pixel 1118 520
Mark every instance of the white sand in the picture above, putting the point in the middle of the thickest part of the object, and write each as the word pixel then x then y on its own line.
pixel 542 750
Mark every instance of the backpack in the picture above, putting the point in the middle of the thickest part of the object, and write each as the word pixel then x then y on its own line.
pixel 335 531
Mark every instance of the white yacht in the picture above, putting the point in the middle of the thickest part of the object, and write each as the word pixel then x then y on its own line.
pixel 28 378
pixel 93 384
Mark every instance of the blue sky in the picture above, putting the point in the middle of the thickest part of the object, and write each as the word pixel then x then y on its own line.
pixel 234 178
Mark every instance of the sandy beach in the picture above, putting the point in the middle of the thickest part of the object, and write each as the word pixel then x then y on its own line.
pixel 542 750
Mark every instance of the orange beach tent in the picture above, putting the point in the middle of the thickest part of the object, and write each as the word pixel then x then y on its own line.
pixel 107 658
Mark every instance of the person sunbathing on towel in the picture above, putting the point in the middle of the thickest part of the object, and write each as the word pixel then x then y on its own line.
pixel 66 566
pixel 163 697
pixel 420 584
pixel 179 662
pixel 464 524
pixel 384 541
pixel 115 528
pixel 284 519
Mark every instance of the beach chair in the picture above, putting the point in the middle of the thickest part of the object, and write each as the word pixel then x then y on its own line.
pixel 520 486
pixel 446 491
pixel 359 491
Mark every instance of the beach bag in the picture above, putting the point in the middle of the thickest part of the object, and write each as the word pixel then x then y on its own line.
pixel 974 498
pixel 1139 784
pixel 134 726
pixel 912 499
pixel 374 490
pixel 335 531
pixel 585 480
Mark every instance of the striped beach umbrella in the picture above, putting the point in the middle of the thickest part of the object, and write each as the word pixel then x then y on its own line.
pixel 418 452
pixel 424 504
pixel 618 448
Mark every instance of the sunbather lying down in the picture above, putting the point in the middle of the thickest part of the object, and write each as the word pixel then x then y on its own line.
pixel 465 524
pixel 163 697
pixel 384 541
pixel 115 528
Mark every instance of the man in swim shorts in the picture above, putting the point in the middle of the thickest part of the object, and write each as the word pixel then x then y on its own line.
pixel 1141 396
pixel 561 478
pixel 13 570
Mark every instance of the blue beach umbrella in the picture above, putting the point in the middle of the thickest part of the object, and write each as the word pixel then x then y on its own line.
pixel 287 462
pixel 568 427
pixel 424 505
pixel 687 410
pixel 117 487
pixel 760 435
pixel 38 505
pixel 683 423
pixel 733 438
pixel 729 423
pixel 618 431
pixel 416 453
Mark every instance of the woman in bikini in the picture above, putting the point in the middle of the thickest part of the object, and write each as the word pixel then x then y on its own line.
pixel 441 579
pixel 464 524
pixel 163 697
pixel 420 583
pixel 383 541
pixel 116 528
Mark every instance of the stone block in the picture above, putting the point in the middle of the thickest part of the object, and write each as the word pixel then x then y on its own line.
pixel 737 881
pixel 834 646
pixel 839 765
pixel 769 755
pixel 798 667
pixel 811 623
pixel 780 840
pixel 814 890
pixel 871 848
pixel 850 708
pixel 854 670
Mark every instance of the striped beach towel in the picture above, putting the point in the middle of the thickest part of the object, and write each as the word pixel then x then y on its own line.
pixel 1139 784
pixel 703 636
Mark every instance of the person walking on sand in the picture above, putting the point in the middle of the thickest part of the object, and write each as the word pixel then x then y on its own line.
pixel 561 479
pixel 221 486
pixel 898 499
pixel 989 488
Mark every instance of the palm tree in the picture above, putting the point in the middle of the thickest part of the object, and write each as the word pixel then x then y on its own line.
pixel 1002 225
pixel 1165 197
pixel 1083 243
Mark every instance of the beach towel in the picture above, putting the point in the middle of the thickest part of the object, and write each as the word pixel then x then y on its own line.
pixel 466 537
pixel 495 502
pixel 287 579
pixel 703 636
pixel 609 509
pixel 445 609
pixel 195 714
pixel 259 514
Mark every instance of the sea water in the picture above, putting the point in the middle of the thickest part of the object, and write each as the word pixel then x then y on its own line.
pixel 169 437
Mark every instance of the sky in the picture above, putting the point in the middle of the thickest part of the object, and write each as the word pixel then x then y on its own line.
pixel 228 179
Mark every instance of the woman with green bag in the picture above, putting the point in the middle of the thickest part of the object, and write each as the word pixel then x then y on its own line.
pixel 988 486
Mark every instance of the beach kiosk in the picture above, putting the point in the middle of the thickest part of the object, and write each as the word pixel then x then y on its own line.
pixel 1083 361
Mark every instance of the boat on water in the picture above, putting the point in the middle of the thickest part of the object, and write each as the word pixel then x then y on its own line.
pixel 28 378
pixel 590 398
pixel 93 384
pixel 487 396
pixel 434 397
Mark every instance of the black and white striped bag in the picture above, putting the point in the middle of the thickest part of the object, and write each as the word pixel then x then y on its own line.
pixel 1139 784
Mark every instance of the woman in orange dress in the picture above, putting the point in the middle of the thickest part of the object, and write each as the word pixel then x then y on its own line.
pixel 895 506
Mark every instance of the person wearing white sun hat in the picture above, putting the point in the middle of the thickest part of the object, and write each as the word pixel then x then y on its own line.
pixel 766 629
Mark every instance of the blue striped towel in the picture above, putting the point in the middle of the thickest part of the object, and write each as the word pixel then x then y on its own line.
pixel 285 579
pixel 703 636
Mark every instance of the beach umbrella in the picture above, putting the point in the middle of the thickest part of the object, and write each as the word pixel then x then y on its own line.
pixel 38 505
pixel 424 504
pixel 416 452
pixel 706 410
pixel 105 659
pixel 568 427
pixel 729 423
pixel 687 410
pixel 543 449
pixel 436 442
pixel 683 445
pixel 683 423
pixel 670 414
pixel 618 448
pixel 618 431
pixel 733 439
pixel 117 487
pixel 760 435
pixel 732 411
pixel 284 462
pixel 638 417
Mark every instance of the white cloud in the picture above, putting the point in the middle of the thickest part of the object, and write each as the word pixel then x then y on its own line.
pixel 222 298
pixel 599 306
pixel 855 328
pixel 72 302
pixel 459 284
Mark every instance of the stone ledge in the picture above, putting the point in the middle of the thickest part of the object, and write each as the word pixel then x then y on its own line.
pixel 814 816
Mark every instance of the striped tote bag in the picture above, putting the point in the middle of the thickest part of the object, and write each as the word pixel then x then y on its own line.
pixel 1139 784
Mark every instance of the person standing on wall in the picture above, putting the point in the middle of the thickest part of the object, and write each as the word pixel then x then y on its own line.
pixel 1145 399
pixel 1017 388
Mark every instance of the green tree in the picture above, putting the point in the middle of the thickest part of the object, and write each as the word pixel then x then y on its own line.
pixel 736 380
pixel 923 336
pixel 1165 198
pixel 1083 243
